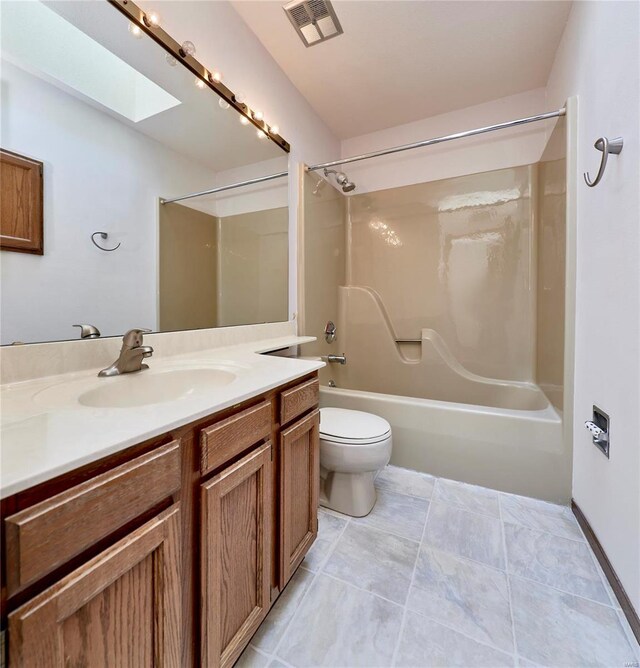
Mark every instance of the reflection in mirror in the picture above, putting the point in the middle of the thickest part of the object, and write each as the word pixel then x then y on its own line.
pixel 228 253
pixel 118 127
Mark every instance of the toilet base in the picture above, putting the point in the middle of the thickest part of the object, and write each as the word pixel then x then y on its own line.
pixel 348 493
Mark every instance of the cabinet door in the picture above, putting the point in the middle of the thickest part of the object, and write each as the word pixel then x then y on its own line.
pixel 120 609
pixel 299 486
pixel 21 219
pixel 236 548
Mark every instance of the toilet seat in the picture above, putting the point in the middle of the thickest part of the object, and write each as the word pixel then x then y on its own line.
pixel 348 427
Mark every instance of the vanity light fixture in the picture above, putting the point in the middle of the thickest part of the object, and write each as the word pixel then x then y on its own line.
pixel 152 19
pixel 149 23
pixel 188 48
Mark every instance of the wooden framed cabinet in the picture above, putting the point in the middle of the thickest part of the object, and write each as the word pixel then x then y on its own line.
pixel 171 552
pixel 120 609
pixel 299 488
pixel 236 547
pixel 21 203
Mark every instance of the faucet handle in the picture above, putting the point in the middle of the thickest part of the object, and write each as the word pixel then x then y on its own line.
pixel 88 331
pixel 330 332
pixel 133 338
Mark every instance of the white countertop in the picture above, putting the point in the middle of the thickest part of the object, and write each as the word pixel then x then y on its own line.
pixel 45 431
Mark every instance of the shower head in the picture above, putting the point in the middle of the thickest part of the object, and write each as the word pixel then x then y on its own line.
pixel 342 180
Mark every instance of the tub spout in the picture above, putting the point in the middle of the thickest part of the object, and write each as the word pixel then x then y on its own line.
pixel 335 359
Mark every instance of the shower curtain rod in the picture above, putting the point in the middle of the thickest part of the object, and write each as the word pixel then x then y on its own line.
pixel 231 186
pixel 439 140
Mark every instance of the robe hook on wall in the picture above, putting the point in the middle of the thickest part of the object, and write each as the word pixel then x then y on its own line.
pixel 606 146
pixel 103 235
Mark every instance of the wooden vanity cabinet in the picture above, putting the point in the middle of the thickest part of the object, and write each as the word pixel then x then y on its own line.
pixel 120 609
pixel 236 556
pixel 169 553
pixel 299 487
pixel 117 600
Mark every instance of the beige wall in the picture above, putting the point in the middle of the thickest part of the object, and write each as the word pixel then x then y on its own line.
pixel 454 256
pixel 551 252
pixel 188 259
pixel 324 262
pixel 252 267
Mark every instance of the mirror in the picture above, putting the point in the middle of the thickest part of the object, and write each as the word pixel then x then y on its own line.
pixel 100 125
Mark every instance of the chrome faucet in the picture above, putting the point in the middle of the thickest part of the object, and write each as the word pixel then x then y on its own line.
pixel 131 354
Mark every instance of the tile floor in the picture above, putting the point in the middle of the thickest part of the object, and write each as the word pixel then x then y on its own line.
pixel 446 574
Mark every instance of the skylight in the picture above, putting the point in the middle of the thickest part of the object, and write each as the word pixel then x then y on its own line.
pixel 41 41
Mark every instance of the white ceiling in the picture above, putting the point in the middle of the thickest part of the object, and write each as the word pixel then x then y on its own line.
pixel 402 60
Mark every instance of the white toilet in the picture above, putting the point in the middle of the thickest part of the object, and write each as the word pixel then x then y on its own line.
pixel 353 446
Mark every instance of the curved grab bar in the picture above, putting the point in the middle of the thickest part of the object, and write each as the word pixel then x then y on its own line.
pixel 103 235
pixel 606 146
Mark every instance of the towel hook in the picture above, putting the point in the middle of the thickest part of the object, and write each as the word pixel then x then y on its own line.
pixel 606 146
pixel 103 235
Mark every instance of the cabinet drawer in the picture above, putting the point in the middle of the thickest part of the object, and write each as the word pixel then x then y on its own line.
pixel 47 535
pixel 299 400
pixel 228 438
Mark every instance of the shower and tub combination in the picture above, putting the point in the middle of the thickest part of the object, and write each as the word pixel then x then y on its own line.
pixel 449 303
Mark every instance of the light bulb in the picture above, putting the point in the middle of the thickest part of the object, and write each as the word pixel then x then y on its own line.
pixel 189 48
pixel 135 30
pixel 240 97
pixel 275 130
pixel 261 134
pixel 200 83
pixel 223 104
pixel 216 76
pixel 171 60
pixel 153 18
pixel 244 120
pixel 258 115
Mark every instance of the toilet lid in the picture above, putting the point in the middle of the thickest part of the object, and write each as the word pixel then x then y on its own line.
pixel 352 425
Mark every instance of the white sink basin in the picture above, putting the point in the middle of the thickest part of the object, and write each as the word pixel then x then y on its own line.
pixel 131 390
pixel 144 388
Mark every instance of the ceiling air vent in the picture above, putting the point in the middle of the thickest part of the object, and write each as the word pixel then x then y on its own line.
pixel 314 20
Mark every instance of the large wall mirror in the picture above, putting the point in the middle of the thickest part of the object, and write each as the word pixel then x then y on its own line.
pixel 101 125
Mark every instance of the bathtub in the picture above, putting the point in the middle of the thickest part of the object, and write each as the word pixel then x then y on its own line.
pixel 519 451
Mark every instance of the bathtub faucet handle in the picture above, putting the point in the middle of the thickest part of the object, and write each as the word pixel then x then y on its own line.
pixel 330 332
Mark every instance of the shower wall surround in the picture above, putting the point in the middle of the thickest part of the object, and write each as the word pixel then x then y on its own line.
pixel 453 256
pixel 233 267
pixel 450 290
